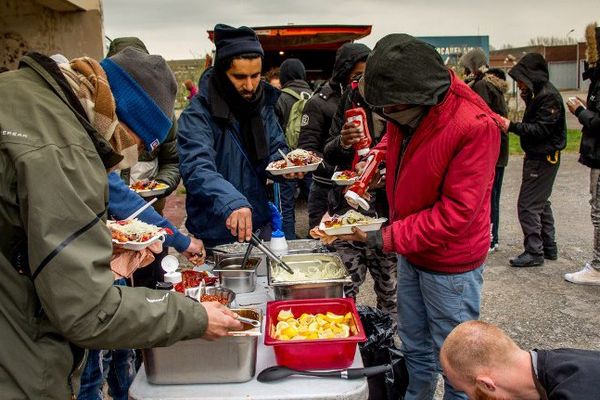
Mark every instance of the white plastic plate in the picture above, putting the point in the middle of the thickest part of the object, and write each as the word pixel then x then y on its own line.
pixel 375 225
pixel 292 170
pixel 152 192
pixel 137 246
pixel 343 182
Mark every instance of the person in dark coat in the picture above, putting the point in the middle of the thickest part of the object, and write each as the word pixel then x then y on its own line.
pixel 481 360
pixel 292 76
pixel 316 121
pixel 588 114
pixel 357 257
pixel 226 138
pixel 543 134
pixel 491 86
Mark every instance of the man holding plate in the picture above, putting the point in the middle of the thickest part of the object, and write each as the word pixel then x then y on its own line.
pixel 441 145
pixel 226 138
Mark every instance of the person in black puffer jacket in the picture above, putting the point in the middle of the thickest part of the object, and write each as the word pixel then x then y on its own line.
pixel 589 150
pixel 317 117
pixel 543 135
pixel 357 257
pixel 491 86
pixel 292 76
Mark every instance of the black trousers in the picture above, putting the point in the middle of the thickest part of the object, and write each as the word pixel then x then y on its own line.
pixel 534 208
pixel 317 203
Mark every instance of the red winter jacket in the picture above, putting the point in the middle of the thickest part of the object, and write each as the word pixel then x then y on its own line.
pixel 440 196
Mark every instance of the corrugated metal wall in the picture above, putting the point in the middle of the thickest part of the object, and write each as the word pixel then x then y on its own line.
pixel 563 75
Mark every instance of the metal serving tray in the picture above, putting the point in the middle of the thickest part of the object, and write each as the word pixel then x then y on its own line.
pixel 233 276
pixel 298 246
pixel 309 289
pixel 227 360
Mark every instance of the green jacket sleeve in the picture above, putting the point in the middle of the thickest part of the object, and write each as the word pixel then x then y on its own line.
pixel 69 250
pixel 168 161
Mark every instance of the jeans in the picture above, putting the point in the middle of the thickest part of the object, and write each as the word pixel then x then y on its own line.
pixel 116 366
pixel 287 193
pixel 429 307
pixel 595 214
pixel 496 189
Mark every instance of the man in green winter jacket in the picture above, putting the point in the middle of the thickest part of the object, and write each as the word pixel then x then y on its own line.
pixel 58 138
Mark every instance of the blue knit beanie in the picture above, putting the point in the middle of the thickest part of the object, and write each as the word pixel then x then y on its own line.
pixel 144 89
pixel 231 42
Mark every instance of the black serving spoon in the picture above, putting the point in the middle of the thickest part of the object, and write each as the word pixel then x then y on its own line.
pixel 280 372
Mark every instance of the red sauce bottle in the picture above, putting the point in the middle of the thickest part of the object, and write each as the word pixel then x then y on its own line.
pixel 354 194
pixel 358 117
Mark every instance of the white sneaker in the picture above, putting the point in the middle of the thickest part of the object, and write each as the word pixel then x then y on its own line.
pixel 587 276
pixel 493 248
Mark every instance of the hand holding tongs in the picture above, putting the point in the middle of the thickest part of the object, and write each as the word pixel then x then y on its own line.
pixel 255 240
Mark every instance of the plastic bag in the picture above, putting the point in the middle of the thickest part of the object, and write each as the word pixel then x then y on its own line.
pixel 380 349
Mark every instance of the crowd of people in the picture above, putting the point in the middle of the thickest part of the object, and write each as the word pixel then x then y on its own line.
pixel 75 134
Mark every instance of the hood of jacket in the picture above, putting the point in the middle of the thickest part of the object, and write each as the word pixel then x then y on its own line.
pixel 405 70
pixel 497 82
pixel 298 86
pixel 475 60
pixel 290 70
pixel 532 70
pixel 118 44
pixel 345 59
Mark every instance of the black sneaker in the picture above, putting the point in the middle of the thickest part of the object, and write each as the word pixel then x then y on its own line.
pixel 551 253
pixel 526 259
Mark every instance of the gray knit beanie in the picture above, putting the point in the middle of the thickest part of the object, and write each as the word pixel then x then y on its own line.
pixel 152 73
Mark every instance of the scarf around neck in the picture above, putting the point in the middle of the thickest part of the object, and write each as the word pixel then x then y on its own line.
pixel 226 101
pixel 89 83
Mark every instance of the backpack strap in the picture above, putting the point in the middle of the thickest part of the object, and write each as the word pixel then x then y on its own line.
pixel 292 93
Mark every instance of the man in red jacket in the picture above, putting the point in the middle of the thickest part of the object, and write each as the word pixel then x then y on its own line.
pixel 441 146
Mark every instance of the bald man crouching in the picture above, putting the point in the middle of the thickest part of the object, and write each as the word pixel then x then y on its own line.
pixel 481 360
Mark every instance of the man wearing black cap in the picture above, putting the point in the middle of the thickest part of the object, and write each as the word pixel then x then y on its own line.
pixel 227 136
pixel 316 121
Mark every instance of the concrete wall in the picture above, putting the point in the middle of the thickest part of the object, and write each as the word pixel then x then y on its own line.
pixel 72 28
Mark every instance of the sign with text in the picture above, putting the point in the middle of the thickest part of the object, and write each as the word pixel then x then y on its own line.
pixel 451 48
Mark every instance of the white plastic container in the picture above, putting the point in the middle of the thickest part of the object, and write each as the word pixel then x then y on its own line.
pixel 278 244
pixel 170 264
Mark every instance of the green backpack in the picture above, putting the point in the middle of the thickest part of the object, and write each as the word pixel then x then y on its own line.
pixel 294 123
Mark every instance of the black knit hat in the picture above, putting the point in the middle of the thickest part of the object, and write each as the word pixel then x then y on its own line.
pixel 291 69
pixel 231 42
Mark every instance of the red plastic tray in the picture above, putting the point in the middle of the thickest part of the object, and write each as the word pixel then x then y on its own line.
pixel 314 354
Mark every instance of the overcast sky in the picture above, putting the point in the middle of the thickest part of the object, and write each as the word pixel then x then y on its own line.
pixel 176 29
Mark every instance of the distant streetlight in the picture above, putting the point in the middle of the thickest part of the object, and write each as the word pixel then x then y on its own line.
pixel 568 33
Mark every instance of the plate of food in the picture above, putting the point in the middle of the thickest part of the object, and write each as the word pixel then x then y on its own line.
pixel 147 188
pixel 344 178
pixel 301 160
pixel 343 224
pixel 134 234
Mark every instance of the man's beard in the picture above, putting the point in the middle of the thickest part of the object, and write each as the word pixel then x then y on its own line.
pixel 480 395
pixel 246 95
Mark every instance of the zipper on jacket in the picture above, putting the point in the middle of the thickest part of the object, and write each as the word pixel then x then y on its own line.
pixel 403 148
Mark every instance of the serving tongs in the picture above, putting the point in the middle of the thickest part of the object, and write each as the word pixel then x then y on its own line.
pixel 256 242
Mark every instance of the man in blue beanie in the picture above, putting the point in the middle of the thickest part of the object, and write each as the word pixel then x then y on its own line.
pixel 226 138
pixel 57 295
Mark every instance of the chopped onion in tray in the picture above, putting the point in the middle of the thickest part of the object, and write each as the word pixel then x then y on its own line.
pixel 329 270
